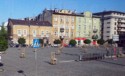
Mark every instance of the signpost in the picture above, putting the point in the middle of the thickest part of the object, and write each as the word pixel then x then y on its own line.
pixel 115 38
pixel 36 44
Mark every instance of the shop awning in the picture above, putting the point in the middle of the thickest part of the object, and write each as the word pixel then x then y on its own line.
pixel 80 38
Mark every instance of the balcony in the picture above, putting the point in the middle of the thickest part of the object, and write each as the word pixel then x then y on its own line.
pixel 121 30
pixel 121 25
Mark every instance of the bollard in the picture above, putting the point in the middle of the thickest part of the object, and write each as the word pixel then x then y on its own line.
pixel 80 57
pixel 53 59
pixel 23 54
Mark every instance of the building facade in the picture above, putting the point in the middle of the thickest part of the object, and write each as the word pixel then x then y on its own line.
pixel 29 30
pixel 86 23
pixel 74 25
pixel 112 24
pixel 60 19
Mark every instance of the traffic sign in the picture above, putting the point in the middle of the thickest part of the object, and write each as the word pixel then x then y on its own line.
pixel 115 37
pixel 36 43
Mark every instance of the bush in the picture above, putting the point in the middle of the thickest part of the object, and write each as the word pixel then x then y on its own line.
pixel 57 41
pixel 87 41
pixel 95 37
pixel 21 41
pixel 110 41
pixel 3 43
pixel 100 41
pixel 72 42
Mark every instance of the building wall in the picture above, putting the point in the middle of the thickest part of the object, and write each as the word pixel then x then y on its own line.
pixel 66 22
pixel 110 21
pixel 85 25
pixel 29 33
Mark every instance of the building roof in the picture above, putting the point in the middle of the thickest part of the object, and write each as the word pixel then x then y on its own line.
pixel 72 14
pixel 108 12
pixel 29 22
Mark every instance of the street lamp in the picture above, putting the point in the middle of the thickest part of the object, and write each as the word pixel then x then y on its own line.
pixel 61 37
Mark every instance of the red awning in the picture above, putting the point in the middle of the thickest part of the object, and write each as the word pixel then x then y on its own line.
pixel 80 38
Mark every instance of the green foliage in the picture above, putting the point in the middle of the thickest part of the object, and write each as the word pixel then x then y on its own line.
pixel 110 41
pixel 57 41
pixel 72 42
pixel 3 32
pixel 21 41
pixel 100 41
pixel 3 43
pixel 87 41
pixel 95 37
pixel 3 39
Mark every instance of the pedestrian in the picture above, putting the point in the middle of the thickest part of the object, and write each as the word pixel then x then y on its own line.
pixel 107 51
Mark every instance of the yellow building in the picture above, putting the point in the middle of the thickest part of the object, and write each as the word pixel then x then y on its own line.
pixel 29 30
pixel 60 19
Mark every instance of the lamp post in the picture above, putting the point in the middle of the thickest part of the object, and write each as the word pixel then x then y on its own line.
pixel 61 37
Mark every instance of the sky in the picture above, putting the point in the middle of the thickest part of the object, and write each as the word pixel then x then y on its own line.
pixel 17 9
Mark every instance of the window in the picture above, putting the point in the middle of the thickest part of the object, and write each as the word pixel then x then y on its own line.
pixel 115 32
pixel 47 34
pixel 108 27
pixel 108 31
pixel 85 27
pixel 115 23
pixel 42 33
pixel 72 19
pixel 67 34
pixel 19 32
pixel 79 19
pixel 71 34
pixel 90 26
pixel 114 28
pixel 24 32
pixel 108 22
pixel 55 33
pixel 94 27
pixel 34 33
pixel 84 31
pixel 55 19
pixel 61 19
pixel 79 26
pixel 67 19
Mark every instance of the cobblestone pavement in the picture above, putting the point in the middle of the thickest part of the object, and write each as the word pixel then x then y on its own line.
pixel 66 66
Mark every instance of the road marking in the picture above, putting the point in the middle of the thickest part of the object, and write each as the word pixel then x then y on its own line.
pixel 64 61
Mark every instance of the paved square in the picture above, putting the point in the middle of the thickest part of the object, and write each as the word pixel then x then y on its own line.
pixel 66 66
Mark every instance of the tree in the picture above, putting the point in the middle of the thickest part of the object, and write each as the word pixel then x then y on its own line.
pixel 21 41
pixel 72 42
pixel 3 39
pixel 110 41
pixel 3 44
pixel 57 41
pixel 100 41
pixel 3 32
pixel 87 41
pixel 95 37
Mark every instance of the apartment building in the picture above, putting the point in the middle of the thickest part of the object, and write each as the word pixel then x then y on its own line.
pixel 60 19
pixel 29 30
pixel 86 23
pixel 113 23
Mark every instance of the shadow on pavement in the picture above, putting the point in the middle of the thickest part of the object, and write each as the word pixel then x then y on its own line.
pixel 111 62
pixel 70 54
